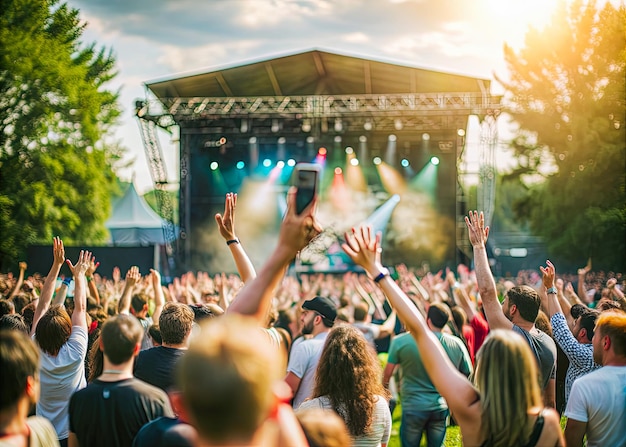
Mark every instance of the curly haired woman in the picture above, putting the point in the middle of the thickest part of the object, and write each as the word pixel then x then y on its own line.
pixel 348 382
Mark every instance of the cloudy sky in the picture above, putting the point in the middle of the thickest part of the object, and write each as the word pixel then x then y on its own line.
pixel 156 38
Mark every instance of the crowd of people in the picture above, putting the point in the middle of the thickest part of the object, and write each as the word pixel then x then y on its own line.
pixel 272 359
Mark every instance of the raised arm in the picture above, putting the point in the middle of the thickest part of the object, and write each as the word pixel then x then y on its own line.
pixel 478 235
pixel 296 231
pixel 549 301
pixel 618 295
pixel 20 279
pixel 132 277
pixel 79 316
pixel 361 245
pixel 226 225
pixel 58 253
pixel 582 274
pixel 91 284
pixel 159 297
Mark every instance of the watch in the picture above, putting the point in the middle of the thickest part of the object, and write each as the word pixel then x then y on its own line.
pixel 551 290
pixel 384 272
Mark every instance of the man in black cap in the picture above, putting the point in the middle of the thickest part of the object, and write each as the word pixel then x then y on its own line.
pixel 318 317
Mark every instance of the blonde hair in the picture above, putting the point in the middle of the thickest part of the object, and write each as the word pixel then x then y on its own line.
pixel 227 378
pixel 613 324
pixel 507 379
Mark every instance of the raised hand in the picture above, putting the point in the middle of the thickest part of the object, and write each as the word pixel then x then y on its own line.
pixel 226 222
pixel 548 273
pixel 362 247
pixel 22 265
pixel 93 265
pixel 477 231
pixel 117 274
pixel 84 260
pixel 297 230
pixel 586 269
pixel 58 252
pixel 133 276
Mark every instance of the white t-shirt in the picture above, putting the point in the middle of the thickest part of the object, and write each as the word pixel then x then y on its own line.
pixel 380 430
pixel 303 362
pixel 599 399
pixel 60 377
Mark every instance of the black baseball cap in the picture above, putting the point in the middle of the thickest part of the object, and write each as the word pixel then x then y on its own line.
pixel 323 306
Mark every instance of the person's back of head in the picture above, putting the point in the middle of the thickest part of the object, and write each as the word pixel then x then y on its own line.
pixel 121 337
pixel 175 323
pixel 13 322
pixel 348 374
pixel 53 330
pixel 226 379
pixel 459 316
pixel 610 324
pixel 139 303
pixel 542 322
pixel 588 323
pixel 6 307
pixel 360 311
pixel 19 358
pixel 527 301
pixel 20 301
pixel 205 310
pixel 155 334
pixel 438 314
pixel 507 379
pixel 29 314
pixel 323 428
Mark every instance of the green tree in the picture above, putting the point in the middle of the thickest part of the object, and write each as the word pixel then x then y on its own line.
pixel 566 92
pixel 55 169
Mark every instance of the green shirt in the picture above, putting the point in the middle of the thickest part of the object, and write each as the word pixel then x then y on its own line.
pixel 417 391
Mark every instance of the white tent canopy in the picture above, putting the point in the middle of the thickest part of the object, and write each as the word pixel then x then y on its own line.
pixel 133 222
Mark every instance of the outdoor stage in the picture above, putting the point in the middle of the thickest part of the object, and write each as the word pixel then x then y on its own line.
pixel 388 137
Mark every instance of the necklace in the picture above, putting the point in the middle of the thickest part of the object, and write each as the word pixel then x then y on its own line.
pixel 112 371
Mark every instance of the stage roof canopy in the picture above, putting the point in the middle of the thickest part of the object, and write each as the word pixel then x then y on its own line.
pixel 314 72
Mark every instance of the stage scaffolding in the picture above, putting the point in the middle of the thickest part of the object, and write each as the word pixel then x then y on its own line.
pixel 237 118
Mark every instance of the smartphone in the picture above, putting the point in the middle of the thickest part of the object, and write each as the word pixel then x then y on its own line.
pixel 306 179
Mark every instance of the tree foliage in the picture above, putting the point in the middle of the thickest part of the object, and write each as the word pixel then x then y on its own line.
pixel 55 169
pixel 566 92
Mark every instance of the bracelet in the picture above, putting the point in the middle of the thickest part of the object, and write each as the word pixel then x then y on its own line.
pixel 232 241
pixel 551 290
pixel 89 278
pixel 381 275
pixel 67 281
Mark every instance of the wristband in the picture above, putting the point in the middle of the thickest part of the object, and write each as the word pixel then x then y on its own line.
pixel 232 241
pixel 67 281
pixel 551 290
pixel 381 275
pixel 89 278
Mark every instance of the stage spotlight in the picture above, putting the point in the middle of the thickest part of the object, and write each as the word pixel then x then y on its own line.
pixel 252 140
pixel 221 141
pixel 280 164
pixel 349 150
pixel 275 126
pixel 460 132
pixel 354 162
pixel 291 162
pixel 306 126
pixel 337 139
pixel 405 163
pixel 398 124
pixel 338 170
pixel 267 162
pixel 338 125
pixel 368 125
pixel 214 165
pixel 434 160
pixel 425 136
pixel 282 140
pixel 310 140
pixel 322 151
pixel 377 160
pixel 241 165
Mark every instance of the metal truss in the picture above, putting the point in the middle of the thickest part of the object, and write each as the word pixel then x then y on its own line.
pixel 154 154
pixel 184 109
